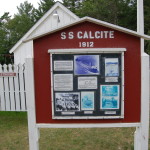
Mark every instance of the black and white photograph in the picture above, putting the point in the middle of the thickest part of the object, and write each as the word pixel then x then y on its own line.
pixel 67 101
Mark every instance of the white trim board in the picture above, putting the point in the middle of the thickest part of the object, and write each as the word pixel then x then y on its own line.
pixel 88 50
pixel 89 125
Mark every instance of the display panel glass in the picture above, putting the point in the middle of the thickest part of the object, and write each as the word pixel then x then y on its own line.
pixel 86 85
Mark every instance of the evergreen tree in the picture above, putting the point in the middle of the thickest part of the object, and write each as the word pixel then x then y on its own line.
pixel 73 5
pixel 147 24
pixel 21 22
pixel 4 37
pixel 11 30
pixel 44 6
pixel 119 12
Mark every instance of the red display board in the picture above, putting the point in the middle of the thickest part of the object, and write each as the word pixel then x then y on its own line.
pixel 82 36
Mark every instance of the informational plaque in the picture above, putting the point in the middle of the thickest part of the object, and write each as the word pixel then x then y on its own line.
pixel 86 86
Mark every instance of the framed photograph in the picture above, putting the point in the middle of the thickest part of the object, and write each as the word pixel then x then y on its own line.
pixel 86 65
pixel 87 100
pixel 109 98
pixel 67 101
pixel 111 67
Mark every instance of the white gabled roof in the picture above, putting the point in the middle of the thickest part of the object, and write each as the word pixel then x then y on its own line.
pixel 96 21
pixel 56 5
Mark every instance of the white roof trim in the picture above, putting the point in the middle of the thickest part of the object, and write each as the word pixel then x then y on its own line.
pixel 96 21
pixel 57 4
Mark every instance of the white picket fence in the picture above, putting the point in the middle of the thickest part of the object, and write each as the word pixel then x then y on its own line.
pixel 12 88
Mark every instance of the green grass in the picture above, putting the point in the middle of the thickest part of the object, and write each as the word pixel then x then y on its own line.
pixel 13 131
pixel 14 136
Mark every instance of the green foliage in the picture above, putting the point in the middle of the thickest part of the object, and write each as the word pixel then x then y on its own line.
pixel 12 29
pixel 21 22
pixel 44 6
pixel 4 36
pixel 73 5
pixel 147 24
pixel 127 14
pixel 119 12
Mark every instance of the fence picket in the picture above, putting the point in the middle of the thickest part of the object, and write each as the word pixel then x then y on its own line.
pixel 11 88
pixel 22 92
pixel 16 85
pixel 6 90
pixel 2 99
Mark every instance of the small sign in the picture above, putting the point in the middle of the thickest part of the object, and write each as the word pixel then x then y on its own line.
pixel 111 79
pixel 8 74
pixel 87 82
pixel 63 65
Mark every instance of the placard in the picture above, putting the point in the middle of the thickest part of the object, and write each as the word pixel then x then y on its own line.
pixel 8 74
pixel 63 65
pixel 87 82
pixel 111 79
pixel 63 82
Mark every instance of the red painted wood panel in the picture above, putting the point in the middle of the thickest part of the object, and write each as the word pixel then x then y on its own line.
pixel 132 71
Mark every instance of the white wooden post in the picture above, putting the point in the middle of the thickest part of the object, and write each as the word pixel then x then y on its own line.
pixel 142 132
pixel 32 129
pixel 145 101
pixel 140 17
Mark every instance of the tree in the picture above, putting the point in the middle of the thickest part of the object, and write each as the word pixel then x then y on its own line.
pixel 127 14
pixel 4 37
pixel 73 5
pixel 21 22
pixel 119 12
pixel 147 24
pixel 27 9
pixel 44 6
pixel 11 30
